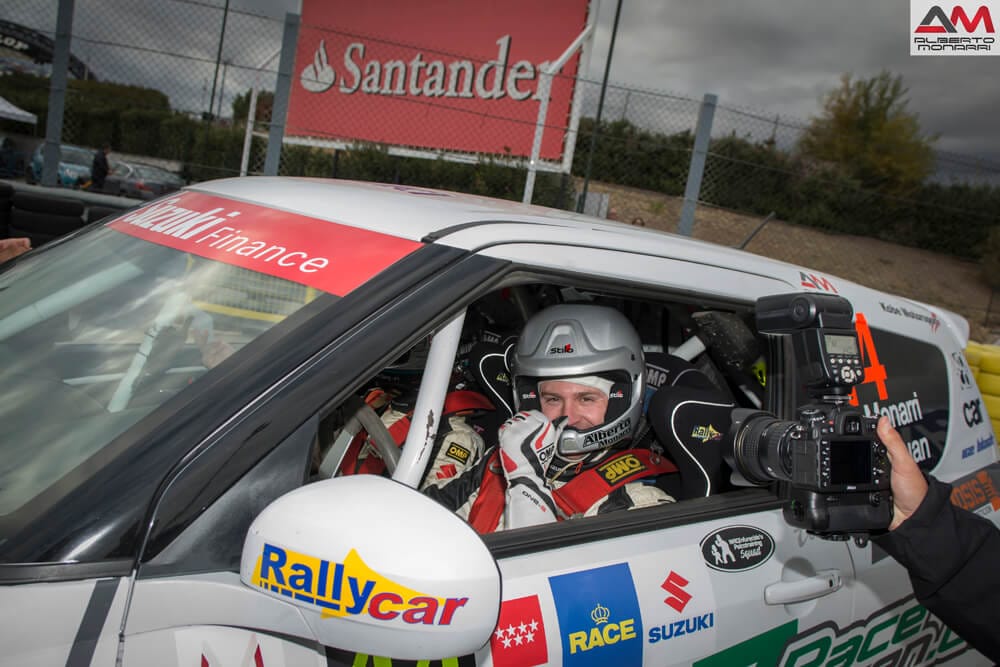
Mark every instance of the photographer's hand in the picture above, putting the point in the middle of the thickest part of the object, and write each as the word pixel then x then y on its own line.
pixel 908 484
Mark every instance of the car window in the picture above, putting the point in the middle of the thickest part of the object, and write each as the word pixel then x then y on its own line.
pixel 75 156
pixel 360 435
pixel 97 334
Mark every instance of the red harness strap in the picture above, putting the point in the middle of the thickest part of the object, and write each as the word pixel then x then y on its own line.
pixel 580 493
pixel 488 506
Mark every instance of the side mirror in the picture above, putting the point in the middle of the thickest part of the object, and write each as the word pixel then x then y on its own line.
pixel 376 567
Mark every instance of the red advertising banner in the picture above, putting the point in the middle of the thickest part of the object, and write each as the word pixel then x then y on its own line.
pixel 445 75
pixel 328 256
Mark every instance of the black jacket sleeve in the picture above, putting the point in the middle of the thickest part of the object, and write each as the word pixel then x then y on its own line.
pixel 953 559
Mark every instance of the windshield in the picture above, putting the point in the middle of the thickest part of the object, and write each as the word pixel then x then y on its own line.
pixel 97 333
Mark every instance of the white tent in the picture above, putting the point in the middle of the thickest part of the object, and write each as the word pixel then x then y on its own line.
pixel 8 110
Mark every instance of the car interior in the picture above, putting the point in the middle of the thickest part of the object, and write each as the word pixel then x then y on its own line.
pixel 702 360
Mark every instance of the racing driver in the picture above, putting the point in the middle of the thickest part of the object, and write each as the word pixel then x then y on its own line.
pixel 578 380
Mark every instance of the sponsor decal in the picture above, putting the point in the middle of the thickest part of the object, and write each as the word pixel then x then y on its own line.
pixel 737 548
pixel 962 370
pixel 562 349
pixel 973 412
pixel 528 395
pixel 350 588
pixel 599 617
pixel 903 413
pixel 503 377
pixel 337 656
pixel 519 640
pixel 986 442
pixel 977 493
pixel 608 436
pixel 903 311
pixel 820 283
pixel 446 76
pixel 904 633
pixel 617 394
pixel 619 468
pixel 963 29
pixel 655 376
pixel 764 649
pixel 325 255
pixel 458 452
pixel 705 433
pixel 678 600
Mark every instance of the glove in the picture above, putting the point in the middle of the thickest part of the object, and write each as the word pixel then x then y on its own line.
pixel 527 444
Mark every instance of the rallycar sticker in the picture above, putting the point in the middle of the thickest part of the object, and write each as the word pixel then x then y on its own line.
pixel 737 548
pixel 350 588
pixel 325 255
pixel 599 618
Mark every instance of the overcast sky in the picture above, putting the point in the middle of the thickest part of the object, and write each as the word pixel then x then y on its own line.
pixel 775 56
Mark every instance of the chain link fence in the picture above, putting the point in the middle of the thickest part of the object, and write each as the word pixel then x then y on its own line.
pixel 174 83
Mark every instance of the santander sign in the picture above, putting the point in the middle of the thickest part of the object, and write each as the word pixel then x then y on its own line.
pixel 445 76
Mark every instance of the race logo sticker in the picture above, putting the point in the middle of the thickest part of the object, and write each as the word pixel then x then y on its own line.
pixel 458 452
pixel 901 634
pixel 599 617
pixel 978 492
pixel 309 251
pixel 677 599
pixel 350 588
pixel 973 412
pixel 519 640
pixel 619 468
pixel 705 433
pixel 737 548
pixel 956 29
pixel 820 283
pixel 904 311
pixel 962 370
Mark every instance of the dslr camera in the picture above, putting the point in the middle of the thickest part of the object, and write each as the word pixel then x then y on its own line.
pixel 828 463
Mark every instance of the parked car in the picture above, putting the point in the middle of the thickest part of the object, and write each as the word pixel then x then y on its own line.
pixel 141 181
pixel 184 386
pixel 73 169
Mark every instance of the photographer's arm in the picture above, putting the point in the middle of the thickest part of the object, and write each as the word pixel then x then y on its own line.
pixel 949 553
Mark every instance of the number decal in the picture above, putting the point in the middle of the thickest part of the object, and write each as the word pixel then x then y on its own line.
pixel 874 371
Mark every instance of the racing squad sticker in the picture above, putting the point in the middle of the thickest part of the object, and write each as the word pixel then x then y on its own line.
pixel 328 256
pixel 737 548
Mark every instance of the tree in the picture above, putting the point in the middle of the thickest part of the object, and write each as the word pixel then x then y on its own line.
pixel 241 107
pixel 867 132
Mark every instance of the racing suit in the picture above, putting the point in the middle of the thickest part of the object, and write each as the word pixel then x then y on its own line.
pixel 522 472
pixel 951 555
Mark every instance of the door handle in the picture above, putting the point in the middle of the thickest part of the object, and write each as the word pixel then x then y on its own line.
pixel 789 592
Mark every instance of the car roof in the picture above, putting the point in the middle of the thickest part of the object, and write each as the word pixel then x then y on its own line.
pixel 470 222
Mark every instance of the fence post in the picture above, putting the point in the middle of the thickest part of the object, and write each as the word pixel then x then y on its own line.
pixel 276 135
pixel 57 93
pixel 697 168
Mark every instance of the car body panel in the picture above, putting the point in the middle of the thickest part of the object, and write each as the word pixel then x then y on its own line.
pixel 404 261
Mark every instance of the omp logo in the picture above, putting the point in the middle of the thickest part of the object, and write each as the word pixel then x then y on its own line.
pixel 816 282
pixel 350 588
pixel 674 585
pixel 973 412
pixel 705 433
pixel 619 468
pixel 564 349
pixel 936 21
pixel 459 453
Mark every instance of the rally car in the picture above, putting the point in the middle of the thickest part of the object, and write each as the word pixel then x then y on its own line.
pixel 186 387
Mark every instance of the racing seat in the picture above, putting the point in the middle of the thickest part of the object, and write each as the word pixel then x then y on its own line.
pixel 690 417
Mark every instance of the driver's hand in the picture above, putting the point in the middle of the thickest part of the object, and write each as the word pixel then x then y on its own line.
pixel 527 443
pixel 908 484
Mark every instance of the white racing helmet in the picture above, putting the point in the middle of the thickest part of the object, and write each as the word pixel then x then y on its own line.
pixel 579 340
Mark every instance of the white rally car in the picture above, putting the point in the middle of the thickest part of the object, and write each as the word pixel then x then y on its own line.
pixel 185 388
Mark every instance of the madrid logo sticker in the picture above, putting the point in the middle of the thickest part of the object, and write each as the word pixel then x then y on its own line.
pixel 957 29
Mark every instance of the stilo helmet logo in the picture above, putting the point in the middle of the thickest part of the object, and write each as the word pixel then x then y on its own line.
pixel 564 349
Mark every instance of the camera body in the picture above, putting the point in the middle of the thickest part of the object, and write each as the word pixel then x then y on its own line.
pixel 828 462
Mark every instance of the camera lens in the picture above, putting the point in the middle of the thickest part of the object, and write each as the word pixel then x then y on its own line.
pixel 762 446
